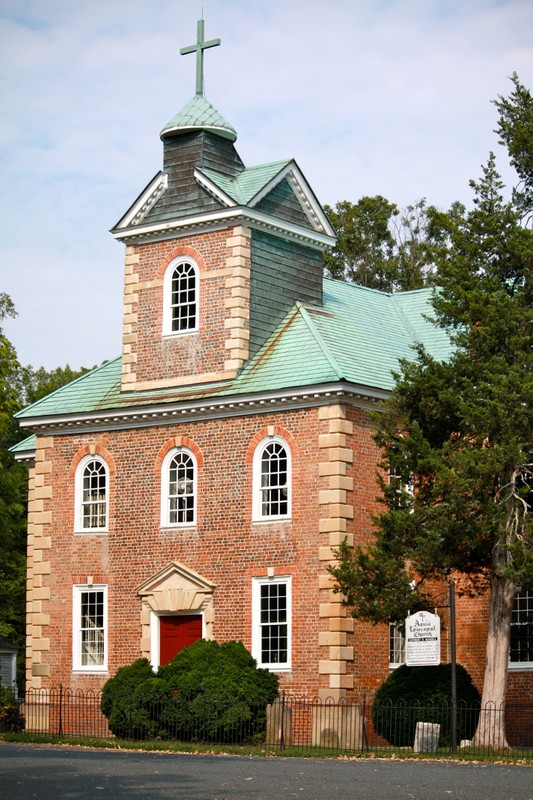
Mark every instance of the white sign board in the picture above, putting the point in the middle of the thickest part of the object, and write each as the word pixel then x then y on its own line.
pixel 422 640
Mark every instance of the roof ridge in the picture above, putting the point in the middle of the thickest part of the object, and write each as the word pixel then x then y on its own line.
pixel 405 320
pixel 319 340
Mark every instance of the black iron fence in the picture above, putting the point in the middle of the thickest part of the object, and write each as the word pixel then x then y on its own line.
pixel 289 722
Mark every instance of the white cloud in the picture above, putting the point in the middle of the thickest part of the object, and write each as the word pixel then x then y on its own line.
pixel 370 96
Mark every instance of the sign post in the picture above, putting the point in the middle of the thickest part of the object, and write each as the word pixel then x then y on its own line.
pixel 422 640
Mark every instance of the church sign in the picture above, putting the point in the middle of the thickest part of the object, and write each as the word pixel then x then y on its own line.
pixel 422 640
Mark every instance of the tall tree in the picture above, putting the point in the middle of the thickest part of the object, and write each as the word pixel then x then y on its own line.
pixel 18 386
pixel 456 441
pixel 13 483
pixel 381 246
pixel 516 131
pixel 37 383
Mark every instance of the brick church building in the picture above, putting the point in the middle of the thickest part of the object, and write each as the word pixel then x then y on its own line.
pixel 198 484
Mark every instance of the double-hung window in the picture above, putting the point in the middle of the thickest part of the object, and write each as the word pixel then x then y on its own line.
pixel 272 480
pixel 271 620
pixel 91 495
pixel 521 647
pixel 396 645
pixel 178 484
pixel 89 628
pixel 180 297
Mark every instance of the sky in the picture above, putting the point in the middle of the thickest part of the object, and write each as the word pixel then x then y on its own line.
pixel 389 97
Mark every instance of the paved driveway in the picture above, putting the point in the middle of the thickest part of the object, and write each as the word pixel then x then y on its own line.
pixel 57 773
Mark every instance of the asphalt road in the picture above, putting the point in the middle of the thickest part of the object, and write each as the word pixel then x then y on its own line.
pixel 58 773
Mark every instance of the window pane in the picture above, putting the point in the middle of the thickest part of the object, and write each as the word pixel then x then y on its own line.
pixel 396 644
pixel 521 648
pixel 183 298
pixel 273 621
pixel 94 501
pixel 274 481
pixel 181 500
pixel 92 628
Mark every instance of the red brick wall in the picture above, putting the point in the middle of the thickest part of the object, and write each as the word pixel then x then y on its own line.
pixel 158 357
pixel 225 547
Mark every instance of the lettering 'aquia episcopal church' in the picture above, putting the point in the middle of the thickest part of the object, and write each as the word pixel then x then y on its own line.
pixel 199 484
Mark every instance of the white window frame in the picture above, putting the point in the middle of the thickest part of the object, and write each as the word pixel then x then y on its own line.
pixel 78 590
pixel 258 514
pixel 518 618
pixel 165 489
pixel 396 645
pixel 79 501
pixel 167 297
pixel 257 624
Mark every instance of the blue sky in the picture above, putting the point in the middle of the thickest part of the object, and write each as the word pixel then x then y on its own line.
pixel 388 97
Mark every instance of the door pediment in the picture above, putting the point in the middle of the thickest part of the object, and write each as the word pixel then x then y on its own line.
pixel 176 588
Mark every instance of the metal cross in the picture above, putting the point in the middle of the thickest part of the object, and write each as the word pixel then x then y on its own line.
pixel 199 48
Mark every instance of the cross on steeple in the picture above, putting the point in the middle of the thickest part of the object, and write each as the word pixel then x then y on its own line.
pixel 199 48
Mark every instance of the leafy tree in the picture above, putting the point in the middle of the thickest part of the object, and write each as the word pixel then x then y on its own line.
pixel 18 387
pixel 461 431
pixel 13 482
pixel 516 131
pixel 37 383
pixel 381 246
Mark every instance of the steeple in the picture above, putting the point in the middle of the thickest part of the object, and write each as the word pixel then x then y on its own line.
pixel 199 114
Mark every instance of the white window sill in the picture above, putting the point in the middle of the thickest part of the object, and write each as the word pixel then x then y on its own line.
pixel 521 666
pixel 90 670
pixel 275 667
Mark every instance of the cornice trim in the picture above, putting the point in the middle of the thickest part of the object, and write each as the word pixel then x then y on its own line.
pixel 232 216
pixel 210 408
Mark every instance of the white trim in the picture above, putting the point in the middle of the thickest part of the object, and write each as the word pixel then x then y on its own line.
pixel 211 187
pixel 165 510
pixel 167 297
pixel 78 496
pixel 77 591
pixel 239 214
pixel 145 201
pixel 257 504
pixel 208 408
pixel 155 638
pixel 257 583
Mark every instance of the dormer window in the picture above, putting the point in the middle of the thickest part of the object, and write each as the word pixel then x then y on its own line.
pixel 180 289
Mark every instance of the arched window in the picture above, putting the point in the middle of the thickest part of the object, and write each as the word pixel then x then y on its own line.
pixel 92 491
pixel 272 479
pixel 178 488
pixel 180 289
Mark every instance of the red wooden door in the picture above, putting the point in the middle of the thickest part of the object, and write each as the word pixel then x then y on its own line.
pixel 176 633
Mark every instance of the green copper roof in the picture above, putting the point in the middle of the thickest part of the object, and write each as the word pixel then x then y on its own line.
pixel 358 336
pixel 245 186
pixel 199 114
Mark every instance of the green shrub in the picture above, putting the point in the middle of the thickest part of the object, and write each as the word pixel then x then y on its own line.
pixel 423 694
pixel 11 720
pixel 208 692
pixel 125 717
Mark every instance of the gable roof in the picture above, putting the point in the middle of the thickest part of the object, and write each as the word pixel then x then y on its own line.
pixel 353 343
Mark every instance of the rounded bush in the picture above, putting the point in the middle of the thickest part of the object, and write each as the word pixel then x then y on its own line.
pixel 208 692
pixel 423 694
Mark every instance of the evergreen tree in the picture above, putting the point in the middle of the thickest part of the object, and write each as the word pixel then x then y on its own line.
pixel 456 442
